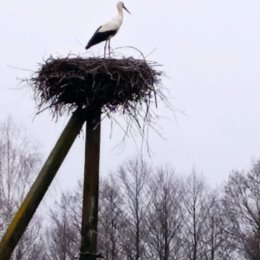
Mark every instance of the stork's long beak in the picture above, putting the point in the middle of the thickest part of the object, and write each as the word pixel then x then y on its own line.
pixel 126 9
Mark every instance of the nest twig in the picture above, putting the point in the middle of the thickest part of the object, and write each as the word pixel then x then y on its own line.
pixel 123 85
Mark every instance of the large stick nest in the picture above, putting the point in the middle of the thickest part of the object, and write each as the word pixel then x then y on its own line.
pixel 65 84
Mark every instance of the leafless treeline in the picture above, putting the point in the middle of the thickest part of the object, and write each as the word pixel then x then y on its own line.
pixel 19 160
pixel 145 213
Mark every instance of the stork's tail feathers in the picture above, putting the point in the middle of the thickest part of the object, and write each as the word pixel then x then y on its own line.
pixel 90 44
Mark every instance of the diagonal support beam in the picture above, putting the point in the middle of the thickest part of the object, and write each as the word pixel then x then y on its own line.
pixel 40 186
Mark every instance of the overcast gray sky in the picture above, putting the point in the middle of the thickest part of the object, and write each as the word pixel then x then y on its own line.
pixel 209 51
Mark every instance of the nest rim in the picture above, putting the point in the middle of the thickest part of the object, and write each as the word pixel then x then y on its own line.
pixel 114 85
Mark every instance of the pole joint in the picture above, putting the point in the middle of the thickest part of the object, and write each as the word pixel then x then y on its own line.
pixel 91 254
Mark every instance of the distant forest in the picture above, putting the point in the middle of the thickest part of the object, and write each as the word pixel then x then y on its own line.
pixel 145 213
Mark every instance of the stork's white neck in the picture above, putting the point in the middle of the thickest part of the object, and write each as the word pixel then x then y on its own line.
pixel 120 11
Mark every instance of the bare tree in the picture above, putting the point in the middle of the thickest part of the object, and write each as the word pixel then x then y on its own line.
pixel 32 244
pixel 216 242
pixel 164 218
pixel 111 219
pixel 133 181
pixel 19 161
pixel 64 230
pixel 242 207
pixel 196 207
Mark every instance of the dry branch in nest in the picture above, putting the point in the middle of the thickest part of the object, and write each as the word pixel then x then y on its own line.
pixel 114 85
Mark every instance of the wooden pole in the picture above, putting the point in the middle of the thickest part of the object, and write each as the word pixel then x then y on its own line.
pixel 91 189
pixel 40 186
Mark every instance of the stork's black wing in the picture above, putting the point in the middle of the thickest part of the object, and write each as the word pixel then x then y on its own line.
pixel 100 37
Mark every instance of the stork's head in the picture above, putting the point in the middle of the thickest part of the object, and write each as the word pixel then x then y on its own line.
pixel 121 6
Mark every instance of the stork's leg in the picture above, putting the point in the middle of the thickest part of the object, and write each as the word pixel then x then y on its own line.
pixel 109 50
pixel 105 49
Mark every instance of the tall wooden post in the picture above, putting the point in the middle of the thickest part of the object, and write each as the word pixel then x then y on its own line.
pixel 40 186
pixel 88 249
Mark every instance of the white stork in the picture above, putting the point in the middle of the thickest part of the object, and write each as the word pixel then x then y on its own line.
pixel 108 30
